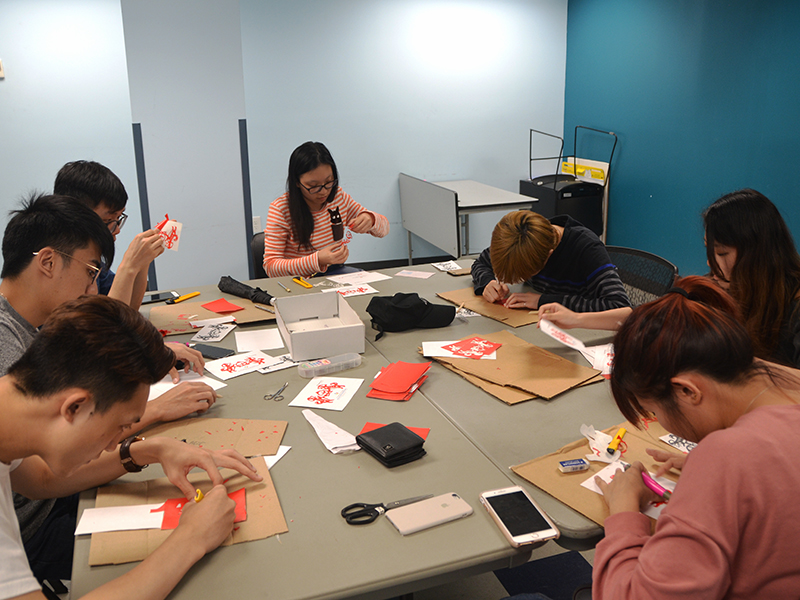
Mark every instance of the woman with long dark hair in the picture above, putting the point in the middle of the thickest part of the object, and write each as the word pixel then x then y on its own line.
pixel 729 529
pixel 305 226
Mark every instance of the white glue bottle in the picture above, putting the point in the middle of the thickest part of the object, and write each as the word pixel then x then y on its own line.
pixel 326 366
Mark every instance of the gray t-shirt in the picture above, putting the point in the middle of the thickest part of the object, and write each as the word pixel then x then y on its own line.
pixel 16 334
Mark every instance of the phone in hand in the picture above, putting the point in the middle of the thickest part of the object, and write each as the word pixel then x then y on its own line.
pixel 518 516
pixel 152 298
pixel 428 513
pixel 209 351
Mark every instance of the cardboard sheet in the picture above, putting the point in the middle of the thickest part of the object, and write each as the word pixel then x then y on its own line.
pixel 513 317
pixel 172 319
pixel 264 514
pixel 524 366
pixel 247 436
pixel 543 471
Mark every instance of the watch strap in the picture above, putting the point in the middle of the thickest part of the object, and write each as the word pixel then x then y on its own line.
pixel 125 455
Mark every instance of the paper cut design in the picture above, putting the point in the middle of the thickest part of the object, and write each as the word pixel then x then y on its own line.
pixel 437 350
pixel 329 393
pixel 337 227
pixel 221 306
pixel 360 290
pixel 474 347
pixel 170 231
pixel 173 508
pixel 240 364
pixel 213 333
pixel 601 357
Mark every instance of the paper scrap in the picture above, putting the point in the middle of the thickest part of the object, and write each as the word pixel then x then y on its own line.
pixel 239 364
pixel 336 439
pixel 221 306
pixel 213 333
pixel 329 393
pixel 162 387
pixel 359 277
pixel 600 357
pixel 271 460
pixel 598 442
pixel 259 339
pixel 414 274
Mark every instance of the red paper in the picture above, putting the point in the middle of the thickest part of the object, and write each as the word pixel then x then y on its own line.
pixel 399 396
pixel 174 507
pixel 472 348
pixel 221 306
pixel 399 377
pixel 420 431
pixel 164 222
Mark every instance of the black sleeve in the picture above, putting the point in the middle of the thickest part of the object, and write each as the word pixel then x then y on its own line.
pixel 605 291
pixel 482 273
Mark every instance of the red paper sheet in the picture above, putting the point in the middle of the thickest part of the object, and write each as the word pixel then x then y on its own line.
pixel 399 396
pixel 174 506
pixel 420 431
pixel 221 306
pixel 399 377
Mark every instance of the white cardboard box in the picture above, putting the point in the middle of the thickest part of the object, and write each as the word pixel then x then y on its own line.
pixel 318 326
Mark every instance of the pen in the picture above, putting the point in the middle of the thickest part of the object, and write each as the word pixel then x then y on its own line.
pixel 612 447
pixel 262 307
pixel 301 281
pixel 182 298
pixel 284 287
pixel 198 495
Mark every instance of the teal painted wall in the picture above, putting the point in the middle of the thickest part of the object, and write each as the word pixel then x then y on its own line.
pixel 704 96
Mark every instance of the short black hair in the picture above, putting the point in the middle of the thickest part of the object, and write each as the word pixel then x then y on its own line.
pixel 91 183
pixel 95 343
pixel 59 222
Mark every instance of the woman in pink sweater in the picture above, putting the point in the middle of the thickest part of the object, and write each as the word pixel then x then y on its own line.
pixel 729 529
pixel 305 226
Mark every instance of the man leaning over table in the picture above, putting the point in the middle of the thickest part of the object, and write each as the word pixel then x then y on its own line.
pixel 53 247
pixel 67 403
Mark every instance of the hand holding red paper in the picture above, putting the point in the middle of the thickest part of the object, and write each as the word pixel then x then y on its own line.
pixel 208 523
pixel 143 249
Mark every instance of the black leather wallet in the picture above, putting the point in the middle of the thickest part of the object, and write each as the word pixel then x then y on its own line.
pixel 393 444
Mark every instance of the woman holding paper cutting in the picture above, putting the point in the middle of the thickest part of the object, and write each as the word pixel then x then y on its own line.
pixel 305 225
pixel 729 529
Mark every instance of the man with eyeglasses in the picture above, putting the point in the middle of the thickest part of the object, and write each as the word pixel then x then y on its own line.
pixel 53 248
pixel 96 186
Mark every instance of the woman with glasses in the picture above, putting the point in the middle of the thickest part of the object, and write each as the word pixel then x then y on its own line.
pixel 305 226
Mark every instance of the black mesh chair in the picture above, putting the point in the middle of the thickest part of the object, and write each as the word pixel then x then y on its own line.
pixel 257 255
pixel 644 275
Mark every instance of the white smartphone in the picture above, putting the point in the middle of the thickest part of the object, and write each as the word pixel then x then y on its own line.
pixel 428 513
pixel 153 297
pixel 518 516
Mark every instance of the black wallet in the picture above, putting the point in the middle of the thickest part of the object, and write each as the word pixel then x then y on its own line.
pixel 393 444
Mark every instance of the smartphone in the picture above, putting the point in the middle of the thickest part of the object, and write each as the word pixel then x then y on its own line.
pixel 428 513
pixel 518 516
pixel 209 351
pixel 158 297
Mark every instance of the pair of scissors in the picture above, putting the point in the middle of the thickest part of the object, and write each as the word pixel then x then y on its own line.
pixel 277 396
pixel 361 513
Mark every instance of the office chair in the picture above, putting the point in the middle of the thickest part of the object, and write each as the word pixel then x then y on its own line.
pixel 644 275
pixel 257 255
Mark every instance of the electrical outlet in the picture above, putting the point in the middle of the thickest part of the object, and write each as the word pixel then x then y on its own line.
pixel 257 225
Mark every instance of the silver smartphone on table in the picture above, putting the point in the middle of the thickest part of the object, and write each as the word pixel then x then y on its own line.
pixel 518 516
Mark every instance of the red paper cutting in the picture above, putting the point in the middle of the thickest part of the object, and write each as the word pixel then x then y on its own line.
pixel 472 348
pixel 173 508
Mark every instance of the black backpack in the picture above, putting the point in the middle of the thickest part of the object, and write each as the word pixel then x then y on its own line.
pixel 407 311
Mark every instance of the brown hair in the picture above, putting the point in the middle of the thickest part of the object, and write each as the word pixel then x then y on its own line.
pixel 697 331
pixel 765 278
pixel 97 344
pixel 521 244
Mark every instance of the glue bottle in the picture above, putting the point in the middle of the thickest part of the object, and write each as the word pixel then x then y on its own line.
pixel 326 366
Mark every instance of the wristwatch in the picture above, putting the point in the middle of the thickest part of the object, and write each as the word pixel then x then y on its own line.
pixel 125 455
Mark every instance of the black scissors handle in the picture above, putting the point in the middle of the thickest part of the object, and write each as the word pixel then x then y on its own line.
pixel 361 513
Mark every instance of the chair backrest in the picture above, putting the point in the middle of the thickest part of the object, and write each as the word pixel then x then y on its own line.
pixel 645 276
pixel 257 255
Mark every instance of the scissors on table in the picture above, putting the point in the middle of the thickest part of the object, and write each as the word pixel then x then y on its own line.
pixel 277 396
pixel 361 513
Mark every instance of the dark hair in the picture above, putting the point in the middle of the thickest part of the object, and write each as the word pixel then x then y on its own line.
pixel 765 277
pixel 91 183
pixel 58 222
pixel 675 334
pixel 95 343
pixel 305 158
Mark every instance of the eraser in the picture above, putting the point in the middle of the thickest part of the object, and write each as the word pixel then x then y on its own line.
pixel 571 466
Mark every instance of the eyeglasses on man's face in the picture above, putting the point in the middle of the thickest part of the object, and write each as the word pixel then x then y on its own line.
pixel 114 224
pixel 319 188
pixel 93 271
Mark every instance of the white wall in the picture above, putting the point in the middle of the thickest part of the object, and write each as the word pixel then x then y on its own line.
pixel 437 89
pixel 64 97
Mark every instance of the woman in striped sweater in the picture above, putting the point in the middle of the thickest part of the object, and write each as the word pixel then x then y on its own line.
pixel 305 226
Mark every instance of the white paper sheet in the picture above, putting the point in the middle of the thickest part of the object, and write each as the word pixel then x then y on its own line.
pixel 359 277
pixel 285 362
pixel 239 364
pixel 165 385
pixel 335 439
pixel 653 510
pixel 259 339
pixel 271 460
pixel 212 321
pixel 449 265
pixel 213 333
pixel 328 393
pixel 414 274
pixel 600 357
pixel 120 518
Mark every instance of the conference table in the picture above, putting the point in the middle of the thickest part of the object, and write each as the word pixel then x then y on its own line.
pixel 474 439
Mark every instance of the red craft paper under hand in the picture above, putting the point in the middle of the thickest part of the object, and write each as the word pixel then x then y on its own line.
pixel 221 306
pixel 420 431
pixel 472 348
pixel 173 508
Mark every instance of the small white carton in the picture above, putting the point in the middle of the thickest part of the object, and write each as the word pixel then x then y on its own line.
pixel 319 325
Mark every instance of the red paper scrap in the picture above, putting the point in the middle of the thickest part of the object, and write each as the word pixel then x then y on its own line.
pixel 420 431
pixel 174 507
pixel 221 306
pixel 472 348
